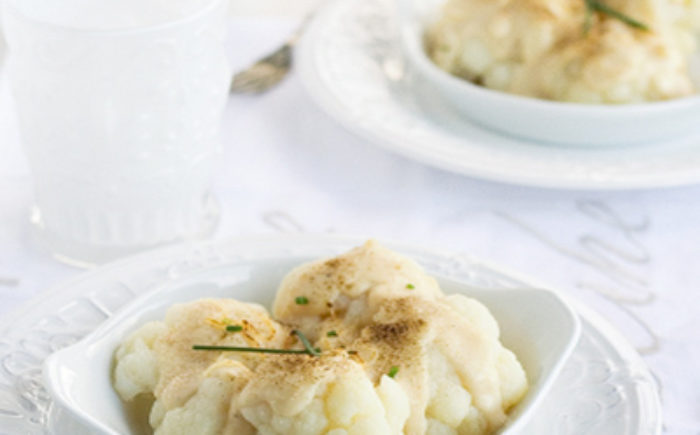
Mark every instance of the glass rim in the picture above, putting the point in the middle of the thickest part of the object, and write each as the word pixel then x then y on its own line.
pixel 11 6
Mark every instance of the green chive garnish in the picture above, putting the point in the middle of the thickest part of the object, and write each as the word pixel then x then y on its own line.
pixel 410 286
pixel 234 328
pixel 308 350
pixel 301 300
pixel 352 352
pixel 597 6
pixel 305 342
pixel 331 334
pixel 393 371
pixel 249 349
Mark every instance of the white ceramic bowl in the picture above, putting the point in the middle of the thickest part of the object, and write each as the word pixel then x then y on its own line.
pixel 536 324
pixel 538 120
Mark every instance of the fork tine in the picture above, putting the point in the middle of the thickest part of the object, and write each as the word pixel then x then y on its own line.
pixel 259 78
pixel 268 71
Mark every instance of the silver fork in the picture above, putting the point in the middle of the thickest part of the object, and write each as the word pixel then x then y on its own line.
pixel 267 72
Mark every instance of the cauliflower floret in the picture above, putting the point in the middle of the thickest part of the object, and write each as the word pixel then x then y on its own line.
pixel 311 420
pixel 349 288
pixel 299 395
pixel 137 369
pixel 452 365
pixel 207 411
pixel 618 66
pixel 204 322
pixel 158 358
pixel 474 312
pixel 436 427
pixel 449 402
pixel 396 404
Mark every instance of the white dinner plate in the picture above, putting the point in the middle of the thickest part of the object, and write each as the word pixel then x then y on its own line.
pixel 350 62
pixel 604 388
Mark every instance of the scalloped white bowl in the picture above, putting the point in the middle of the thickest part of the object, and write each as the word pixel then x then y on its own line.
pixel 543 121
pixel 536 324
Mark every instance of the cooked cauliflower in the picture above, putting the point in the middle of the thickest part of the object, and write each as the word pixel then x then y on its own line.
pixel 538 48
pixel 397 357
pixel 330 394
pixel 349 286
pixel 158 358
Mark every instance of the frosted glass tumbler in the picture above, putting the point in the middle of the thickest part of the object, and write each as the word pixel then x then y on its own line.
pixel 119 105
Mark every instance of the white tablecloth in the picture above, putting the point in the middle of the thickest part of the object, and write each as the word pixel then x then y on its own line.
pixel 633 256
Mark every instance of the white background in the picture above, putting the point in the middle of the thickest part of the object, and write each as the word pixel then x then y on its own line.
pixel 633 256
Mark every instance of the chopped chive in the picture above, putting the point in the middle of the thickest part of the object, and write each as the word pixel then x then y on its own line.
pixel 308 350
pixel 301 300
pixel 587 19
pixel 410 286
pixel 597 6
pixel 393 371
pixel 234 328
pixel 352 352
pixel 305 341
pixel 249 349
pixel 331 334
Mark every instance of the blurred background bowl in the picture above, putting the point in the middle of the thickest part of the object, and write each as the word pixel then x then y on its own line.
pixel 543 121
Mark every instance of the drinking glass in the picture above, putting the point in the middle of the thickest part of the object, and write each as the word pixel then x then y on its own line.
pixel 119 105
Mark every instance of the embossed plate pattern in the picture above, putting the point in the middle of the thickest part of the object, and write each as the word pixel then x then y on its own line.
pixel 605 387
pixel 351 64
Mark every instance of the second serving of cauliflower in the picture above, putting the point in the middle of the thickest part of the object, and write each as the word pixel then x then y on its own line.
pixel 541 48
pixel 397 356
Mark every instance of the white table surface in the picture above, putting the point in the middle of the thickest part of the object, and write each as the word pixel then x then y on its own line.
pixel 633 256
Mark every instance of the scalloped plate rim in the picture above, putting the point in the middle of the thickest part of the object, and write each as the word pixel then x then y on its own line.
pixel 598 324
